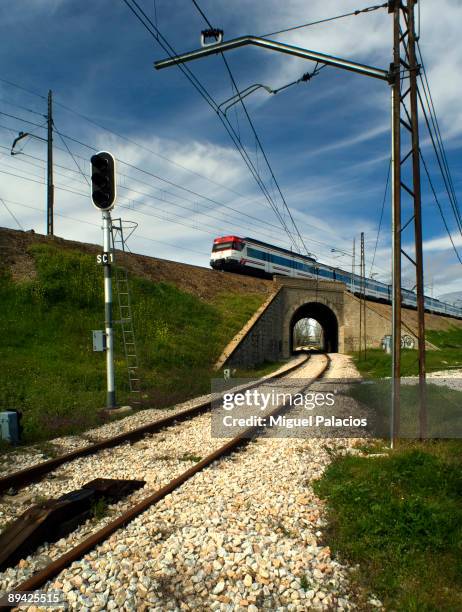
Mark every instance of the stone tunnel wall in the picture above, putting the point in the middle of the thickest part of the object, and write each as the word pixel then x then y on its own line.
pixel 263 341
pixel 267 336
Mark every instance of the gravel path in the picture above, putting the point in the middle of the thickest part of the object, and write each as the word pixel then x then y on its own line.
pixel 244 534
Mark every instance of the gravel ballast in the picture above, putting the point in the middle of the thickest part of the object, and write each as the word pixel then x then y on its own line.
pixel 244 534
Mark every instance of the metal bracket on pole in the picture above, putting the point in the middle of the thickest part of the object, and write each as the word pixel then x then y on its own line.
pixel 243 41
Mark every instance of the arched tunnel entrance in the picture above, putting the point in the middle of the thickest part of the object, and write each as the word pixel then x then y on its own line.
pixel 303 328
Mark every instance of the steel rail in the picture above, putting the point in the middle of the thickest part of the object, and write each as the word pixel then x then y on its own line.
pixel 34 473
pixel 51 570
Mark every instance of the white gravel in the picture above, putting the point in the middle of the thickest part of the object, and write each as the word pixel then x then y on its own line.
pixel 244 534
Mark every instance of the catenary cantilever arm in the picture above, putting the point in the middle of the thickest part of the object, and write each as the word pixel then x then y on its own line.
pixel 242 41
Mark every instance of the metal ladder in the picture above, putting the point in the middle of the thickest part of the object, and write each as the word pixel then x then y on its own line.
pixel 119 241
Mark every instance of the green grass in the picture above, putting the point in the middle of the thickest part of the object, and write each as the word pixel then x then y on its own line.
pixel 443 404
pixel 378 364
pixel 265 368
pixel 48 369
pixel 400 518
pixel 447 339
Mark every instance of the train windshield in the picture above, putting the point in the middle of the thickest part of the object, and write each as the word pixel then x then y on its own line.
pixel 231 244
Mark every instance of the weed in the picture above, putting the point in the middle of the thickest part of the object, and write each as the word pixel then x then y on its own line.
pixel 99 509
pixel 304 582
pixel 190 457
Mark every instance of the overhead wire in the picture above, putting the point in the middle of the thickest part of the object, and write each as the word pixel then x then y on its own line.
pixel 439 139
pixel 440 207
pixel 148 24
pixel 259 220
pixel 368 9
pixel 137 235
pixel 12 214
pixel 256 136
pixel 381 217
pixel 150 197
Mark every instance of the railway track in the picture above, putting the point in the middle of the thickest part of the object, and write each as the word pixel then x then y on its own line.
pixel 54 568
pixel 17 480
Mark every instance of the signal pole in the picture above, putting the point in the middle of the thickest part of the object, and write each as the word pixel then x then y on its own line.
pixel 103 184
pixel 108 322
pixel 50 186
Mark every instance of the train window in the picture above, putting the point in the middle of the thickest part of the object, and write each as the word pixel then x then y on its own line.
pixel 256 254
pixel 223 246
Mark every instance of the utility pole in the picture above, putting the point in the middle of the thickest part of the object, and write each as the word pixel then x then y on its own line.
pixel 407 119
pixel 49 141
pixel 50 186
pixel 363 294
pixel 413 71
pixel 396 227
pixel 353 267
pixel 361 297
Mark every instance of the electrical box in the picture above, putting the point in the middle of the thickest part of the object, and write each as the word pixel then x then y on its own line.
pixel 99 341
pixel 9 426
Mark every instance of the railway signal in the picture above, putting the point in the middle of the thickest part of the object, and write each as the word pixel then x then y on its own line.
pixel 103 195
pixel 103 181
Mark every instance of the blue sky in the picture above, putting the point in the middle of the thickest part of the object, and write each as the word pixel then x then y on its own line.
pixel 327 140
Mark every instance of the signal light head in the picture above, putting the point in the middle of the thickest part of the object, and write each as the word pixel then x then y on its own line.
pixel 103 181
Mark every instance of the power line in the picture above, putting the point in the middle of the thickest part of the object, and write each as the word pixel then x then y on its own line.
pixel 12 214
pixel 261 221
pixel 381 217
pixel 439 139
pixel 21 119
pixel 24 108
pixel 440 207
pixel 440 164
pixel 368 9
pixel 176 246
pixel 71 154
pixel 257 138
pixel 438 146
pixel 148 24
pixel 34 93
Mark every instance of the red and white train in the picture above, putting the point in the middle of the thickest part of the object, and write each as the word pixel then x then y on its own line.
pixel 256 258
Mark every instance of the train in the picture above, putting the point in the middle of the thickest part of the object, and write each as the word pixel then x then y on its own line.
pixel 257 258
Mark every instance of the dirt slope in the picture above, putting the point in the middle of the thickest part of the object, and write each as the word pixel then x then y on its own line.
pixel 201 282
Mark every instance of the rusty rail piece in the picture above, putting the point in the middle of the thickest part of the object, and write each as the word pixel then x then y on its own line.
pixel 49 572
pixel 55 518
pixel 34 473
